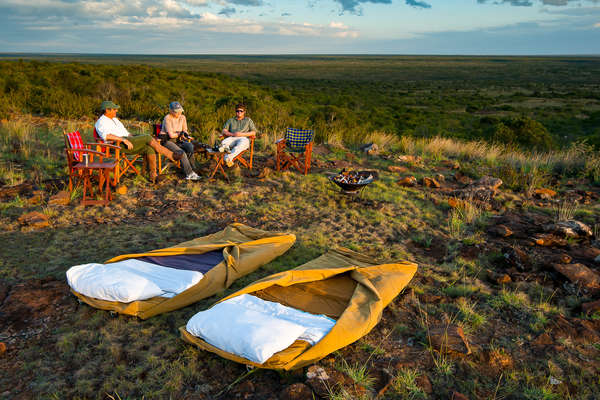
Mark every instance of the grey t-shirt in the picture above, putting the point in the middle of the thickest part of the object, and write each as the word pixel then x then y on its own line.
pixel 243 125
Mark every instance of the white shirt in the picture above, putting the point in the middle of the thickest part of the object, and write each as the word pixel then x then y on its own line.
pixel 105 126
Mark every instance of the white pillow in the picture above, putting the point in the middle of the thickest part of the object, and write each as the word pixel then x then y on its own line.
pixel 248 333
pixel 105 282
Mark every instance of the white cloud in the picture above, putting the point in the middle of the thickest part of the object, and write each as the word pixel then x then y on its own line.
pixel 597 25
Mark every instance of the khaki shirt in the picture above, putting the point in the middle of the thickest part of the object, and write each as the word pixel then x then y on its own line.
pixel 171 125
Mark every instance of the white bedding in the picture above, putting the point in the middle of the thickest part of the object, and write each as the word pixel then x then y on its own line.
pixel 130 280
pixel 256 329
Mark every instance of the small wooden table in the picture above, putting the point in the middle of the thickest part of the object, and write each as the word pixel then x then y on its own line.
pixel 219 158
pixel 104 169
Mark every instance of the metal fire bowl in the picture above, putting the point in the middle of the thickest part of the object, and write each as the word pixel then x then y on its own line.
pixel 354 187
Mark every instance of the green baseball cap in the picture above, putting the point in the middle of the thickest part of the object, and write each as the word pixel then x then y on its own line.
pixel 106 104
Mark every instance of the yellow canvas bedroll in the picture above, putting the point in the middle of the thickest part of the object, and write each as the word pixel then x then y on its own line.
pixel 245 249
pixel 341 284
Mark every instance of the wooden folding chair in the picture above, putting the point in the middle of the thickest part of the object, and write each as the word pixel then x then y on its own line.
pixel 82 170
pixel 295 149
pixel 219 158
pixel 124 163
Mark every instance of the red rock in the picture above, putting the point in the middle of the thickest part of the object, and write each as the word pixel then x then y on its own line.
pixel 488 181
pixel 440 178
pixel 34 219
pixel 562 258
pixel 591 307
pixel 581 275
pixel 451 164
pixel 2 348
pixel 121 190
pixel 449 338
pixel 570 228
pixel 37 198
pixel 409 181
pixel 500 230
pixel 543 340
pixel 544 194
pixel 397 168
pixel 460 178
pixel 297 391
pixel 515 257
pixel 458 396
pixel 409 159
pixel 549 240
pixel 430 182
pixel 504 279
pixel 321 380
pixel 61 198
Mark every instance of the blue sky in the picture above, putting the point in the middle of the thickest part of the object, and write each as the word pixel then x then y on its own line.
pixel 305 26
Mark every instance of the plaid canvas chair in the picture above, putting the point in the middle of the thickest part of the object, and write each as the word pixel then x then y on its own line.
pixel 295 149
pixel 81 171
pixel 124 163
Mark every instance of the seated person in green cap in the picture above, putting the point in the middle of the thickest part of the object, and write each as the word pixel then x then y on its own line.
pixel 174 127
pixel 109 127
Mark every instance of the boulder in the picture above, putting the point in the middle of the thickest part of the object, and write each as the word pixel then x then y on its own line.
pixel 408 181
pixel 440 178
pixel 34 219
pixel 562 258
pixel 488 181
pixel 7 192
pixel 2 348
pixel 581 275
pixel 449 338
pixel 571 228
pixel 296 391
pixel 322 381
pixel 451 164
pixel 62 198
pixel 430 182
pixel 544 194
pixel 503 279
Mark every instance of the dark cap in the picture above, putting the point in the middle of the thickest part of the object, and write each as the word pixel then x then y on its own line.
pixel 106 104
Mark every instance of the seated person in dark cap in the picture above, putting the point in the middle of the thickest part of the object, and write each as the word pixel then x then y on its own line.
pixel 109 127
pixel 175 128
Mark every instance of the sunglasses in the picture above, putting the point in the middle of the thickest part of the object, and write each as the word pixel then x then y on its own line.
pixel 239 110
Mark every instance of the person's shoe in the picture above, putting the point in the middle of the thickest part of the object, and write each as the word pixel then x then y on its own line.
pixel 178 155
pixel 229 163
pixel 193 177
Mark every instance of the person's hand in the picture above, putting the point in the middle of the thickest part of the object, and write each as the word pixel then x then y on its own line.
pixel 128 144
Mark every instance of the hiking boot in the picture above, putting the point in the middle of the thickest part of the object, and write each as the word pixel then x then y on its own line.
pixel 193 177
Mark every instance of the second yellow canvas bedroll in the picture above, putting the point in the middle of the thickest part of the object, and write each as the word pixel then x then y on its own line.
pixel 341 284
pixel 244 248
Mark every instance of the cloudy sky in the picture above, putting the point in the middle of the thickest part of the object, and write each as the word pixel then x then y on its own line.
pixel 301 26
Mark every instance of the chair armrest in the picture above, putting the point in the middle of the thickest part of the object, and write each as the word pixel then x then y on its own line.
pixel 87 151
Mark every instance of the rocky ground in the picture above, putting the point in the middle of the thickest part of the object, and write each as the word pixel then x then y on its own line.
pixel 506 302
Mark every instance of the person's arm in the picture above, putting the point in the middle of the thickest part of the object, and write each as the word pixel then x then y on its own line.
pixel 118 140
pixel 226 127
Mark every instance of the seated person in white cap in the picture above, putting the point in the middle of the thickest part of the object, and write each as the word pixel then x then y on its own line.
pixel 109 127
pixel 174 126
pixel 237 130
